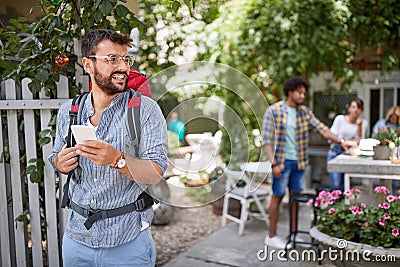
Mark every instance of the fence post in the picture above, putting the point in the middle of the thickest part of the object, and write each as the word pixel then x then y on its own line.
pixel 5 253
pixel 33 188
pixel 50 193
pixel 16 184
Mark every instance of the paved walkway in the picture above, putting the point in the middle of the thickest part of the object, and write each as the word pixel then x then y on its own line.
pixel 226 248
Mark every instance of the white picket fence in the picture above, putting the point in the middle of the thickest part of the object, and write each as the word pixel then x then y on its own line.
pixel 22 242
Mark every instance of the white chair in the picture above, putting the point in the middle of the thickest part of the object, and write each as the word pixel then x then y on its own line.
pixel 245 196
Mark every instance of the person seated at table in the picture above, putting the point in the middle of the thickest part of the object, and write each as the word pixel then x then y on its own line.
pixel 348 127
pixel 392 119
pixel 175 125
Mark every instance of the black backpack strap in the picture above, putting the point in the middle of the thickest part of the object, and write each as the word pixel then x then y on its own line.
pixel 75 113
pixel 133 117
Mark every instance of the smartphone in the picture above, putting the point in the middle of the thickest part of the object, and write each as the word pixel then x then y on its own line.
pixel 83 133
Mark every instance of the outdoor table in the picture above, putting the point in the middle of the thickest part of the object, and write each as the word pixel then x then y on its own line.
pixel 262 167
pixel 363 167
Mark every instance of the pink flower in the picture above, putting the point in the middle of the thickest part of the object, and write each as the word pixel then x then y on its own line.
pixel 323 194
pixel 355 210
pixel 395 232
pixel 355 190
pixel 348 193
pixel 363 205
pixel 310 202
pixel 386 216
pixel 331 210
pixel 324 203
pixel 382 221
pixel 384 205
pixel 335 194
pixel 391 198
pixel 382 189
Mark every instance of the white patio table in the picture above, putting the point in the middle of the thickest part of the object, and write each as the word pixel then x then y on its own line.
pixel 363 167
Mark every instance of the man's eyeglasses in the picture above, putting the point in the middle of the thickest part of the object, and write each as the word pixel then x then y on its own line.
pixel 114 60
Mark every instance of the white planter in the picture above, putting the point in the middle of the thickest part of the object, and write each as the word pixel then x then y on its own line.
pixel 368 255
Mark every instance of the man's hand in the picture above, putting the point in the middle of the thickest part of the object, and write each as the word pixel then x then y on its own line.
pixel 98 151
pixel 349 143
pixel 66 160
pixel 276 171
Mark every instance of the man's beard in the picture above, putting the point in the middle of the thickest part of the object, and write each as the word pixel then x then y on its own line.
pixel 105 83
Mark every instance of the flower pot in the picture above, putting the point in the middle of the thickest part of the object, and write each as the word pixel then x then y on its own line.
pixel 381 152
pixel 367 255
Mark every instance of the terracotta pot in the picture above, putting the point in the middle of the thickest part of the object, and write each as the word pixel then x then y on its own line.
pixel 381 152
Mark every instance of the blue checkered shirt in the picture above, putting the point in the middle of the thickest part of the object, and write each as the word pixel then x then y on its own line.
pixel 101 187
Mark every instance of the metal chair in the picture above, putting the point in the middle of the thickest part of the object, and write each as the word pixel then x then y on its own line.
pixel 245 196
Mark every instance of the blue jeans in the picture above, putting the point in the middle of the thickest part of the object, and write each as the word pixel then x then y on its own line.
pixel 336 178
pixel 291 177
pixel 139 252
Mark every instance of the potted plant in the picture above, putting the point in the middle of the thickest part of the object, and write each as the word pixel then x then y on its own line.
pixel 388 140
pixel 372 227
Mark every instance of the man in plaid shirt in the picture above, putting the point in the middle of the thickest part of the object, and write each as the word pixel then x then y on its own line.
pixel 285 132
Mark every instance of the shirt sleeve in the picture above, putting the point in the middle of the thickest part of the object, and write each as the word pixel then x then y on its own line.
pixel 314 122
pixel 268 127
pixel 154 138
pixel 337 124
pixel 61 130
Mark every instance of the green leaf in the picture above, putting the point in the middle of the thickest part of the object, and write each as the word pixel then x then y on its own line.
pixel 42 75
pixel 33 160
pixel 98 16
pixel 175 6
pixel 31 169
pixel 22 216
pixel 44 141
pixel 105 7
pixel 44 133
pixel 96 4
pixel 36 177
pixel 121 11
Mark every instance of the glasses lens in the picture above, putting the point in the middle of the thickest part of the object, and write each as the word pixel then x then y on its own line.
pixel 113 60
pixel 128 60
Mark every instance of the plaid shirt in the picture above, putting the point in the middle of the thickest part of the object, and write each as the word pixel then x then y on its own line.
pixel 274 131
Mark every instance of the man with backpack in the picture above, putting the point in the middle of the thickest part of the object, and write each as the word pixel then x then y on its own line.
pixel 110 212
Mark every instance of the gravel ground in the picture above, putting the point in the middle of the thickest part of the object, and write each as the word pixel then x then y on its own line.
pixel 188 226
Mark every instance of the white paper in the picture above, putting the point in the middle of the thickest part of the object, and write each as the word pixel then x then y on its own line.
pixel 83 133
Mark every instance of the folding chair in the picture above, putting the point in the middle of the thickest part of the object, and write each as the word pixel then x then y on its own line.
pixel 245 196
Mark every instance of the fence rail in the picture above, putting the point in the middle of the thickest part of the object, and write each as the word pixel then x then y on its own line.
pixel 31 222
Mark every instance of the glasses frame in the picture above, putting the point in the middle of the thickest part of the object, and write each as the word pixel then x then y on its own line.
pixel 129 60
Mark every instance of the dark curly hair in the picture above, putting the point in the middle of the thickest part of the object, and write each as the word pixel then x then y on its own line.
pixel 94 37
pixel 293 84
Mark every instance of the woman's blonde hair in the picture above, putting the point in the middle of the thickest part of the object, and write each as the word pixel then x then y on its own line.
pixel 395 110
